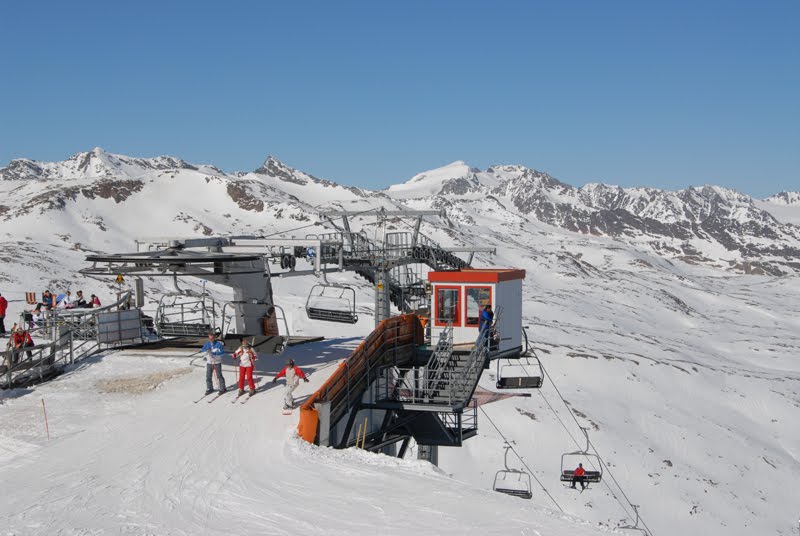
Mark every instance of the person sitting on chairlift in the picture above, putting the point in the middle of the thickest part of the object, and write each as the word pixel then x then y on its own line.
pixel 578 476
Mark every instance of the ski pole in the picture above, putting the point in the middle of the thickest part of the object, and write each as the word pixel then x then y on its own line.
pixel 46 425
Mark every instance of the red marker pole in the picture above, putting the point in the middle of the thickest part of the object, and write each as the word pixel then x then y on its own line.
pixel 46 425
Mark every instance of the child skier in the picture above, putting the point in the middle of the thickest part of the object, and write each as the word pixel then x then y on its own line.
pixel 247 360
pixel 293 376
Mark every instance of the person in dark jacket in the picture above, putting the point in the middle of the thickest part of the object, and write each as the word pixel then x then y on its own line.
pixel 80 301
pixel 485 323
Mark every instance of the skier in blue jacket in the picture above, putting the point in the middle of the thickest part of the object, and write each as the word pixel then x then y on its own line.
pixel 214 351
pixel 485 322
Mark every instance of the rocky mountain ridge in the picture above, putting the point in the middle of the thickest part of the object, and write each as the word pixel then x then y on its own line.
pixel 705 225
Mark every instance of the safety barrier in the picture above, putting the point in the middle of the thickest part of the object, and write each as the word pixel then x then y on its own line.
pixel 72 335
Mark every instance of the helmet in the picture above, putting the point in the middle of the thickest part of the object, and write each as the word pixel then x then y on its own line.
pixel 290 362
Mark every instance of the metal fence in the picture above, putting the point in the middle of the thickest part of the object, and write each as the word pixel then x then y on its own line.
pixel 65 337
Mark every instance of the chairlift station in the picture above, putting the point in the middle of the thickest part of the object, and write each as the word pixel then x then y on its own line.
pixel 407 380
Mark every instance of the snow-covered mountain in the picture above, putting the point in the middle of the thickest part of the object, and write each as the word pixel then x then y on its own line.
pixel 706 225
pixel 682 364
pixel 785 206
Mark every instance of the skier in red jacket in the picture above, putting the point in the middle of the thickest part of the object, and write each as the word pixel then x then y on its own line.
pixel 578 476
pixel 3 309
pixel 293 376
pixel 20 339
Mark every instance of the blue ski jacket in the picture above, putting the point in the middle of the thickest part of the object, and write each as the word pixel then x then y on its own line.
pixel 485 322
pixel 214 351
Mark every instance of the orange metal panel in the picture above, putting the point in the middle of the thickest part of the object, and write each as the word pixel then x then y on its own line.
pixel 477 275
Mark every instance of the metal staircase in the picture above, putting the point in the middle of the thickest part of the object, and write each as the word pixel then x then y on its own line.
pixel 448 380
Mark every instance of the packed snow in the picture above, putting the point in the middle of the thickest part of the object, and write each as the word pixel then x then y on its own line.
pixel 124 461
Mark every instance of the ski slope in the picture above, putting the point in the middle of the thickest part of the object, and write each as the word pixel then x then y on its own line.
pixel 152 462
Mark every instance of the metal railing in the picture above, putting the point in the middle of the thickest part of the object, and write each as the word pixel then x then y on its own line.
pixel 352 246
pixel 391 340
pixel 55 321
pixel 440 358
pixel 72 337
pixel 451 384
pixel 462 421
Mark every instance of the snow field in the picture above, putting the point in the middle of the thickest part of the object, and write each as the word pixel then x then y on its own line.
pixel 156 463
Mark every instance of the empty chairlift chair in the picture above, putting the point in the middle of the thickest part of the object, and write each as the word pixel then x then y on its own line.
pixel 523 373
pixel 332 303
pixel 570 460
pixel 179 315
pixel 515 482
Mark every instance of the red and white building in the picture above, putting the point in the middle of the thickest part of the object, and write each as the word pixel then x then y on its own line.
pixel 458 297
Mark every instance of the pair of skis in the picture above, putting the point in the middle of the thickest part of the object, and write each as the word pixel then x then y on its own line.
pixel 210 400
pixel 244 397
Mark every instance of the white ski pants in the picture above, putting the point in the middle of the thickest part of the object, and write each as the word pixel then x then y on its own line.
pixel 288 399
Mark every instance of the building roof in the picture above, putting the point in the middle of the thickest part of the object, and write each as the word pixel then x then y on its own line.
pixel 477 275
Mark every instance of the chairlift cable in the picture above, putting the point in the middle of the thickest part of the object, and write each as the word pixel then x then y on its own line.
pixel 314 224
pixel 603 464
pixel 530 472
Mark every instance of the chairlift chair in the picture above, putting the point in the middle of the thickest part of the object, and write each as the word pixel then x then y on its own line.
pixel 179 315
pixel 568 467
pixel 514 482
pixel 635 525
pixel 332 303
pixel 523 373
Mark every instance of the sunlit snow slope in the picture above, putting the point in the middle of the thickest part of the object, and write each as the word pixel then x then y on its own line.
pixel 126 458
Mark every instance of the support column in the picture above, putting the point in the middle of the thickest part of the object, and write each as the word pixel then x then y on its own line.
pixel 324 415
pixel 429 453
pixel 139 283
pixel 382 301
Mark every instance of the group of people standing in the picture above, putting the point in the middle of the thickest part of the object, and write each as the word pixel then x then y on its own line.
pixel 246 356
pixel 66 300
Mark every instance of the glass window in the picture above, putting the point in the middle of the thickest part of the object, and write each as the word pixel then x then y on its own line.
pixel 477 299
pixel 447 306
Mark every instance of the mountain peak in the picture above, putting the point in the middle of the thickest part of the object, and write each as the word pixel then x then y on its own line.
pixel 785 198
pixel 275 168
pixel 456 169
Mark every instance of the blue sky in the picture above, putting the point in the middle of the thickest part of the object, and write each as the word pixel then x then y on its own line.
pixel 665 94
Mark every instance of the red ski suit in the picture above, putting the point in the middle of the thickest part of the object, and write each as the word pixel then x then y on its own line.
pixel 247 359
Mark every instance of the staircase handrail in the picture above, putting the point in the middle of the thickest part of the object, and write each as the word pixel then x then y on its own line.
pixel 352 376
